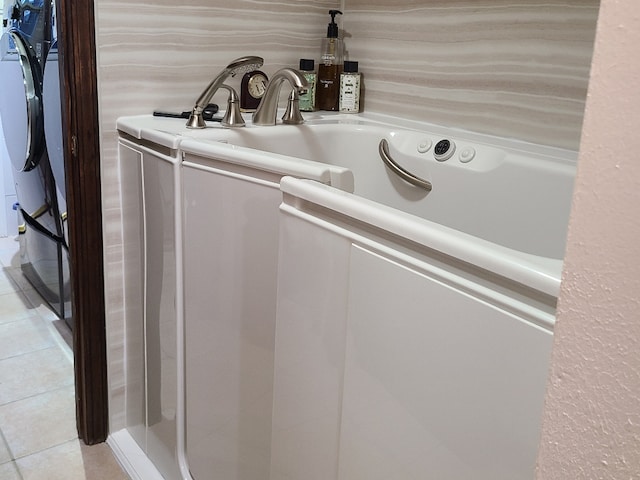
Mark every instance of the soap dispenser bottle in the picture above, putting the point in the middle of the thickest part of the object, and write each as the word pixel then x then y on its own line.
pixel 330 68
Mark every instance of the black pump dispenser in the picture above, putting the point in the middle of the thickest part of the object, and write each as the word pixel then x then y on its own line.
pixel 330 67
pixel 332 28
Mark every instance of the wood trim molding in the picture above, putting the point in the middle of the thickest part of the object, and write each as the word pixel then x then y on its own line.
pixel 78 76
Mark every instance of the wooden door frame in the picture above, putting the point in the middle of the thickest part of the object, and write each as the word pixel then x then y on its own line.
pixel 80 122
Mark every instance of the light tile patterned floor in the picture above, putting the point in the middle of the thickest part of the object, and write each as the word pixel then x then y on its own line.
pixel 38 438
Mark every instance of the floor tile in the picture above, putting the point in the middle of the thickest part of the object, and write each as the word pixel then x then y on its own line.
pixel 72 461
pixel 24 336
pixel 15 306
pixel 9 248
pixel 39 422
pixel 5 454
pixel 8 471
pixel 37 404
pixel 33 373
pixel 18 277
pixel 7 285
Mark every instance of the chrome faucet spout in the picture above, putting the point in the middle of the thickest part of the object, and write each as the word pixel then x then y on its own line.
pixel 239 65
pixel 268 108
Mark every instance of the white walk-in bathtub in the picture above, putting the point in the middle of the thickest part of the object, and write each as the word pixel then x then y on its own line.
pixel 372 328
pixel 414 326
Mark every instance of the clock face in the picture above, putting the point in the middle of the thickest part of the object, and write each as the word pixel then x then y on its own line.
pixel 257 85
pixel 253 88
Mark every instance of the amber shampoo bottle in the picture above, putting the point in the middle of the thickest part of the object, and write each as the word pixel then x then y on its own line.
pixel 330 67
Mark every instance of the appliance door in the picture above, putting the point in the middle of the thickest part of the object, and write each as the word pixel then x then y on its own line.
pixel 23 125
pixel 21 104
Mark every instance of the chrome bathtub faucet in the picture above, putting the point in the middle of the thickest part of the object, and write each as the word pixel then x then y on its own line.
pixel 268 108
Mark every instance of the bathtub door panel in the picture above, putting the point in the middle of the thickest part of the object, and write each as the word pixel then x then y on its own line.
pixel 133 272
pixel 231 247
pixel 160 312
pixel 149 254
pixel 437 383
pixel 309 363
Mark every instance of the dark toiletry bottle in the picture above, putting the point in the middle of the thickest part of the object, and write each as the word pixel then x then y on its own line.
pixel 308 99
pixel 330 67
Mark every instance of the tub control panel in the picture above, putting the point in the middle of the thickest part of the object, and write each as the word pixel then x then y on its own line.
pixel 445 149
pixel 421 152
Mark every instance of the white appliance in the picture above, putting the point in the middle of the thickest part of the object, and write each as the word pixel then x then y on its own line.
pixel 24 50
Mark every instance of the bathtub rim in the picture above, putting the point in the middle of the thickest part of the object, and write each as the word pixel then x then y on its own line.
pixel 171 132
pixel 538 273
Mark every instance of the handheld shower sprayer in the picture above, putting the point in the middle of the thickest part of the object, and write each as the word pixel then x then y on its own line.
pixel 239 65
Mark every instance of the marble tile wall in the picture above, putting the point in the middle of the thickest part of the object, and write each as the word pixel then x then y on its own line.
pixel 504 67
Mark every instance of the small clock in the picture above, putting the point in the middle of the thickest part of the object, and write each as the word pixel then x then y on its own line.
pixel 252 88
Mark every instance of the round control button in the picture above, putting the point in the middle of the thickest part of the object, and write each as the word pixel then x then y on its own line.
pixel 424 146
pixel 467 154
pixel 444 150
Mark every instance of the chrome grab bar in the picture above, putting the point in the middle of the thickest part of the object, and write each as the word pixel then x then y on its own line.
pixel 408 177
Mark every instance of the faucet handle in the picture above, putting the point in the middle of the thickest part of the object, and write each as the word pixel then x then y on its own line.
pixel 292 115
pixel 232 117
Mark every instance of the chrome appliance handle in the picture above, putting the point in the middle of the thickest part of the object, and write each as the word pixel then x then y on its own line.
pixel 408 177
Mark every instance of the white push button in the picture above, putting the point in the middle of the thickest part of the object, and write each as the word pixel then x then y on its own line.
pixel 467 154
pixel 424 146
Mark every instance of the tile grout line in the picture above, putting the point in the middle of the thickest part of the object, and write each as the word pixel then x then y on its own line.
pixel 11 455
pixel 38 452
pixel 15 458
pixel 18 355
pixel 16 469
pixel 56 336
pixel 34 395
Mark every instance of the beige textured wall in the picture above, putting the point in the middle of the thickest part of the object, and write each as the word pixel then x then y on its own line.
pixel 497 66
pixel 591 425
pixel 503 67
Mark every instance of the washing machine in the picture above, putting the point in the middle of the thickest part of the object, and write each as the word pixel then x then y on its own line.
pixel 24 49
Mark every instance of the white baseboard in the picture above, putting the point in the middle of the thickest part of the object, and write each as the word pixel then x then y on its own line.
pixel 131 457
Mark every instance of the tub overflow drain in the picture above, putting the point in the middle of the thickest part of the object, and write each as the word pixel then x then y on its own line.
pixel 444 150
